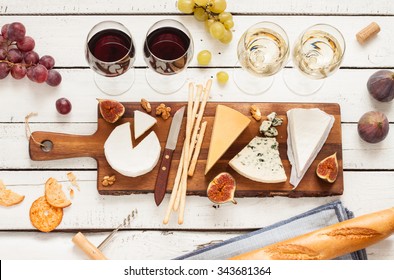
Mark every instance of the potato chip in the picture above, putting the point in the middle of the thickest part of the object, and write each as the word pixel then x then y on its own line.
pixel 55 195
pixel 44 216
pixel 8 197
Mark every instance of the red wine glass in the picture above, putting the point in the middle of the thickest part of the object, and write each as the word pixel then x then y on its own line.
pixel 110 53
pixel 168 50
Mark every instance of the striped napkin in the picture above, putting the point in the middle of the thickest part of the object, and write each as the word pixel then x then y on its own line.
pixel 311 220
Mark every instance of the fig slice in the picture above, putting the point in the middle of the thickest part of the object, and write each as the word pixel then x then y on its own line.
pixel 327 169
pixel 222 188
pixel 111 110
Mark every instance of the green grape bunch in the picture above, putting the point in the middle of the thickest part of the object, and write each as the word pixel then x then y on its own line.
pixel 212 12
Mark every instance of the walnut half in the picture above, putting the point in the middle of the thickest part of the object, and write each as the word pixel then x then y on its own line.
pixel 108 180
pixel 163 111
pixel 256 113
pixel 146 105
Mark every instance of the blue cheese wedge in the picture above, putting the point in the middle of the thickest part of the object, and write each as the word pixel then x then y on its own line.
pixel 260 161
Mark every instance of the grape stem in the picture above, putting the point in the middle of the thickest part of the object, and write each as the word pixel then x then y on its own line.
pixel 11 64
pixel 211 15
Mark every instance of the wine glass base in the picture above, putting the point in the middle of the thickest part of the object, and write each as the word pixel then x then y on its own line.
pixel 115 85
pixel 250 84
pixel 165 84
pixel 300 84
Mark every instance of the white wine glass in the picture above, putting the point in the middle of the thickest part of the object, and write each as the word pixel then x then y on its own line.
pixel 168 49
pixel 262 52
pixel 110 53
pixel 318 52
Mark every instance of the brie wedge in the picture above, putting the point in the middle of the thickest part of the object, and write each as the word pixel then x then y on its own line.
pixel 260 161
pixel 307 130
pixel 142 122
pixel 128 160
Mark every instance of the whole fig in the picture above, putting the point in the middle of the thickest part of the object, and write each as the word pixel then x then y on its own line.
pixel 373 127
pixel 381 85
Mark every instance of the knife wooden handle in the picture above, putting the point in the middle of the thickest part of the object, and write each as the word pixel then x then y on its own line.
pixel 84 244
pixel 162 176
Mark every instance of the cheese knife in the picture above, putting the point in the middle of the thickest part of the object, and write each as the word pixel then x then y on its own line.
pixel 165 164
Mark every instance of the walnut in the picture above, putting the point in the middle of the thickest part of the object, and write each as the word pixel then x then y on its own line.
pixel 108 180
pixel 256 113
pixel 163 111
pixel 146 105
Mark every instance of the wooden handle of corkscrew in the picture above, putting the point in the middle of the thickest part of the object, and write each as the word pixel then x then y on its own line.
pixel 85 245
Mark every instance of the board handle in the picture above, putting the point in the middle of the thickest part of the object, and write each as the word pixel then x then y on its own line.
pixel 51 145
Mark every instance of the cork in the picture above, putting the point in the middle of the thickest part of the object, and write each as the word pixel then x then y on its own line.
pixel 368 32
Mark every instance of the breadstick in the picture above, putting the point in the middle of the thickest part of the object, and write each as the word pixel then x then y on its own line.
pixel 186 145
pixel 183 188
pixel 197 149
pixel 331 241
pixel 175 188
pixel 201 112
pixel 196 105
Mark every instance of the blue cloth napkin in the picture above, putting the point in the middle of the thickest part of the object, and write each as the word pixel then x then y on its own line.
pixel 311 220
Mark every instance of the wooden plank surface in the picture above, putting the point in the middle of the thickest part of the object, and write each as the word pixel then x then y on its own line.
pixel 168 6
pixel 346 87
pixel 133 245
pixel 364 192
pixel 74 29
pixel 368 176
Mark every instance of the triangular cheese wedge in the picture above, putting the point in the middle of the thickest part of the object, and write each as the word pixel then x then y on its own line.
pixel 308 130
pixel 142 122
pixel 260 161
pixel 227 126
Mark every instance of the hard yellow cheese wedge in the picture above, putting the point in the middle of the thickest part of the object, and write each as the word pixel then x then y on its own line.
pixel 227 126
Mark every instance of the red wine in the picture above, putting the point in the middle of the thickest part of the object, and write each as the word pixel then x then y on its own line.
pixel 110 52
pixel 167 49
pixel 109 45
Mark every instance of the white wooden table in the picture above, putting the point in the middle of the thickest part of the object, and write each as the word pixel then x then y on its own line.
pixel 60 28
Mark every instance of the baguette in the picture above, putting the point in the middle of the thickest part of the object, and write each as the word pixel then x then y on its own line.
pixel 329 242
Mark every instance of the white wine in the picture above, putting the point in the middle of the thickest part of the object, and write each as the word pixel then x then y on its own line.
pixel 317 54
pixel 262 51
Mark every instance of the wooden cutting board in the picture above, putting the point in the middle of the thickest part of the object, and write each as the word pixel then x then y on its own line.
pixel 72 146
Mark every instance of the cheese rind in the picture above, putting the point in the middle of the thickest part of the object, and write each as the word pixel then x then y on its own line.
pixel 125 159
pixel 142 123
pixel 227 127
pixel 308 130
pixel 260 161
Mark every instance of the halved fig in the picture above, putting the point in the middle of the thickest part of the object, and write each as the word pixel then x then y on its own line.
pixel 327 169
pixel 222 188
pixel 111 110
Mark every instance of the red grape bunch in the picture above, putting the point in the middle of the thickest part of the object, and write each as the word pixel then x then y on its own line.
pixel 212 12
pixel 18 57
